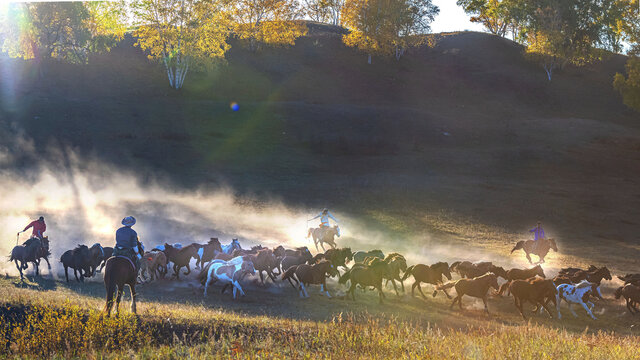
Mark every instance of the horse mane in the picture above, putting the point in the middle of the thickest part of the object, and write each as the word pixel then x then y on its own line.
pixel 583 284
pixel 80 247
pixel 439 264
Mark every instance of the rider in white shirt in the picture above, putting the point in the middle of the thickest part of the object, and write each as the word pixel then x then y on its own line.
pixel 324 218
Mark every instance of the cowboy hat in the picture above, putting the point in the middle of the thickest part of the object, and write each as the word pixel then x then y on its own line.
pixel 129 221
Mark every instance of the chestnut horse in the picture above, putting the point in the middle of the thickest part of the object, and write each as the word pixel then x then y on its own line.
pixel 311 274
pixel 631 294
pixel 428 274
pixel 476 287
pixel 520 274
pixel 366 275
pixel 120 271
pixel 540 248
pixel 536 291
pixel 180 257
pixel 324 235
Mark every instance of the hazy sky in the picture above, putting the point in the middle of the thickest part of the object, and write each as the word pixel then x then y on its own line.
pixel 452 18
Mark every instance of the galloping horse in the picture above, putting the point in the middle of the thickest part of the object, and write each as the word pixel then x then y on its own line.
pixel 324 235
pixel 29 252
pixel 476 287
pixel 541 249
pixel 234 245
pixel 120 270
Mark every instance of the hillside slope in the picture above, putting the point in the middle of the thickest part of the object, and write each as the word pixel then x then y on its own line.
pixel 468 128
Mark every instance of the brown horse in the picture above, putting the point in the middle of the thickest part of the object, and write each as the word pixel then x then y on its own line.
pixel 24 254
pixel 80 260
pixel 154 263
pixel 311 274
pixel 428 274
pixel 540 248
pixel 593 274
pixel 359 256
pixel 536 291
pixel 466 269
pixel 397 263
pixel 265 261
pixel 339 257
pixel 520 274
pixel 365 275
pixel 324 235
pixel 208 251
pixel 631 294
pixel 120 271
pixel 180 257
pixel 476 287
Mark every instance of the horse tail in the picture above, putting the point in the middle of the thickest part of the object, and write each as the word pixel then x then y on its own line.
pixel 309 232
pixel 110 285
pixel 446 286
pixel 408 272
pixel 346 276
pixel 289 273
pixel 519 245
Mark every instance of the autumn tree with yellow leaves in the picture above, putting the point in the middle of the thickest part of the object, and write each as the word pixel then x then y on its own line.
pixel 270 22
pixel 182 34
pixel 65 31
pixel 387 27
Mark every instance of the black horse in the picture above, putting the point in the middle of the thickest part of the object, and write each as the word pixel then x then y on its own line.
pixel 79 259
pixel 97 257
pixel 30 251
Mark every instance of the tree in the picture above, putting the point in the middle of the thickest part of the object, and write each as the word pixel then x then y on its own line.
pixel 183 34
pixel 324 11
pixel 492 14
pixel 572 31
pixel 271 22
pixel 629 87
pixel 67 31
pixel 387 27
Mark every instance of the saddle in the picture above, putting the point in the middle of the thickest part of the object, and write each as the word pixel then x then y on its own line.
pixel 128 254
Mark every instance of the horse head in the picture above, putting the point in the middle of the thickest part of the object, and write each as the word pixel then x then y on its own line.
pixel 618 292
pixel 328 268
pixel 538 271
pixel 248 267
pixel 348 254
pixel 336 229
pixel 493 281
pixel 605 273
pixel 552 244
pixel 442 268
pixel 499 270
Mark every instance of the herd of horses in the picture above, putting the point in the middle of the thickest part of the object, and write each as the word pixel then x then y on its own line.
pixel 230 264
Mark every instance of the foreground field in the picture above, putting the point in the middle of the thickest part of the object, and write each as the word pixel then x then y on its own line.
pixel 49 318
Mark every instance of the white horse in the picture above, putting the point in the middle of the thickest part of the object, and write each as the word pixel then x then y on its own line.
pixel 573 294
pixel 229 272
pixel 234 245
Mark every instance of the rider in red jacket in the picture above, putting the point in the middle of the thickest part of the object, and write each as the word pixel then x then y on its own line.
pixel 39 227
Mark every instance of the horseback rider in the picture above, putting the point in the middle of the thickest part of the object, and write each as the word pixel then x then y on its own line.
pixel 538 234
pixel 324 218
pixel 127 241
pixel 39 227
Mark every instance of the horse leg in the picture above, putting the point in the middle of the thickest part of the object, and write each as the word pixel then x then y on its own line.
pixel 48 264
pixel 444 291
pixel 413 287
pixel 421 293
pixel 588 311
pixel 486 308
pixel 380 293
pixel 37 270
pixel 188 270
pixel 395 287
pixel 316 243
pixel 402 283
pixel 352 290
pixel 75 273
pixel 118 298
pixel 132 288
pixel 261 277
pixel 19 269
pixel 519 307
pixel 66 272
pixel 571 309
pixel 324 286
pixel 224 288
pixel 528 257
pixel 457 298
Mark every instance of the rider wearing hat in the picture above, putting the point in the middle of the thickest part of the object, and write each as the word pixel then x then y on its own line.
pixel 538 234
pixel 127 241
pixel 39 227
pixel 324 218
